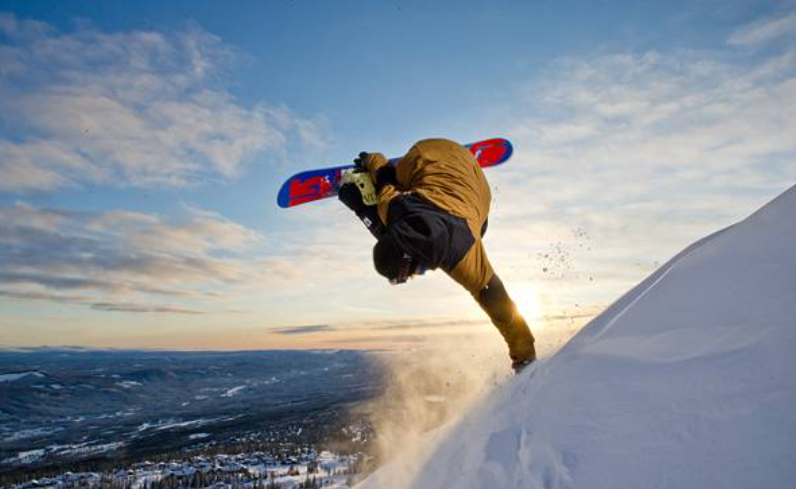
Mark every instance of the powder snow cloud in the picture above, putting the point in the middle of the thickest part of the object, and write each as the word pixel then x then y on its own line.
pixel 136 108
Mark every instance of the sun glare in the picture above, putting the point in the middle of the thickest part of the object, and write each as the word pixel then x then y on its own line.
pixel 528 301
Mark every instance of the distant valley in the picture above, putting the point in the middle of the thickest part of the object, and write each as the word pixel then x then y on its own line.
pixel 71 405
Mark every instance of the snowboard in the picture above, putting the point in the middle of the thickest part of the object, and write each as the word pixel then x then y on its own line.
pixel 312 185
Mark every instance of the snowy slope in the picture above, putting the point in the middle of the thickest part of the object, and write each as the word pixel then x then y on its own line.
pixel 687 381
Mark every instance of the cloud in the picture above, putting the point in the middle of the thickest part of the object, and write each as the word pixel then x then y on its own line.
pixel 651 112
pixel 644 152
pixel 430 324
pixel 765 30
pixel 125 261
pixel 392 340
pixel 299 330
pixel 42 296
pixel 122 307
pixel 97 306
pixel 137 108
pixel 204 232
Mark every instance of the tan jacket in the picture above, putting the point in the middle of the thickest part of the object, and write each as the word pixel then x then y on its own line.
pixel 447 174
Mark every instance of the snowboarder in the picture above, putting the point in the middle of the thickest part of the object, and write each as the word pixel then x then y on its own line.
pixel 431 213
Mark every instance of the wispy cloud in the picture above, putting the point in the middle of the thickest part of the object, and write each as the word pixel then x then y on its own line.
pixel 122 307
pixel 137 108
pixel 643 152
pixel 124 261
pixel 765 30
pixel 394 341
pixel 430 324
pixel 624 158
pixel 653 112
pixel 118 306
pixel 300 330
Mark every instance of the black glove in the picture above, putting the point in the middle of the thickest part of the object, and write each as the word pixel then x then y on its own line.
pixel 361 161
pixel 350 195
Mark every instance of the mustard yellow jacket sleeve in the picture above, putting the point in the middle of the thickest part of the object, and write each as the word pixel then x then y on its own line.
pixel 404 170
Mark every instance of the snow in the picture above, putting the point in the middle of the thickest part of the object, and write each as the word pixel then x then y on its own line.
pixel 687 381
pixel 229 470
pixel 26 457
pixel 29 433
pixel 32 456
pixel 169 424
pixel 19 375
pixel 234 391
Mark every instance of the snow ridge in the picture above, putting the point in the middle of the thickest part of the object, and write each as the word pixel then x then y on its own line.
pixel 687 381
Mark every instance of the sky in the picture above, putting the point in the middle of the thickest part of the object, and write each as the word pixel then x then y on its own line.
pixel 142 145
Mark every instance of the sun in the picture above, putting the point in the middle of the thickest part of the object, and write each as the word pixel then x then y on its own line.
pixel 528 301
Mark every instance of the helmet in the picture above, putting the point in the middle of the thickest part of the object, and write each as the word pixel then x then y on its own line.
pixel 393 262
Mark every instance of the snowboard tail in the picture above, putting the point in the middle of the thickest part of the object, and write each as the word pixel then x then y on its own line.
pixel 312 185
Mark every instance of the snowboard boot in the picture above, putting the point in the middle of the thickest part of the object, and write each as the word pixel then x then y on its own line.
pixel 522 355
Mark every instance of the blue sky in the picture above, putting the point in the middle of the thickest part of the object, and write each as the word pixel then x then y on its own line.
pixel 142 145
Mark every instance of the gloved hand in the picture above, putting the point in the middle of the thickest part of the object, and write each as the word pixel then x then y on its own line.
pixel 370 162
pixel 361 161
pixel 350 196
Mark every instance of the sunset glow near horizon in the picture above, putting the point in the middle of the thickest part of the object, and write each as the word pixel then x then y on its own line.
pixel 142 146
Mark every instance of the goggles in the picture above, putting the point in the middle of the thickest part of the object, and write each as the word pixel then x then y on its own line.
pixel 407 270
